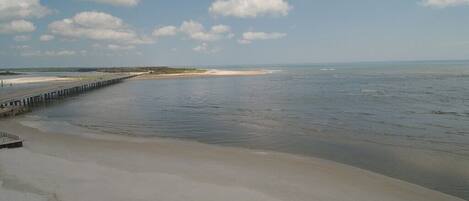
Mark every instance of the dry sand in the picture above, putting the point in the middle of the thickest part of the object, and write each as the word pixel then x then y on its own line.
pixel 28 80
pixel 54 166
pixel 207 73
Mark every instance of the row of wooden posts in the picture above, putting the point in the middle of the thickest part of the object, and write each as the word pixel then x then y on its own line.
pixel 57 93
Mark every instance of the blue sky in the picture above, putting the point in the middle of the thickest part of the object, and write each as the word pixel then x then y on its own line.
pixel 228 32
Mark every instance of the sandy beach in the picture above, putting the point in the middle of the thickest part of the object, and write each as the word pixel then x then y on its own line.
pixel 29 80
pixel 57 166
pixel 207 73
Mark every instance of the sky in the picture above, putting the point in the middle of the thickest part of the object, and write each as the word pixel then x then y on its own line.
pixel 94 33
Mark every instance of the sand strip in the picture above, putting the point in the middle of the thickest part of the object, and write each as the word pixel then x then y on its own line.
pixel 28 80
pixel 207 73
pixel 55 166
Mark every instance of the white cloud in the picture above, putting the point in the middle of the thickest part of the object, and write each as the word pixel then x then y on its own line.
pixel 48 53
pixel 120 47
pixel 98 20
pixel 97 26
pixel 250 8
pixel 205 48
pixel 20 9
pixel 114 47
pixel 248 37
pixel 191 26
pixel 444 3
pixel 17 26
pixel 220 29
pixel 22 38
pixel 60 53
pixel 165 31
pixel 46 37
pixel 262 35
pixel 118 2
pixel 196 31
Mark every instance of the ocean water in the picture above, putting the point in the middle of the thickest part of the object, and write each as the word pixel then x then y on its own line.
pixel 407 120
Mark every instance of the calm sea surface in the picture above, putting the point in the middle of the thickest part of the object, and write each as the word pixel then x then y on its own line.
pixel 406 120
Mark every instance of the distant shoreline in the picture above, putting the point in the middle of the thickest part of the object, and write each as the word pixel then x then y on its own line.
pixel 159 74
pixel 203 73
pixel 28 80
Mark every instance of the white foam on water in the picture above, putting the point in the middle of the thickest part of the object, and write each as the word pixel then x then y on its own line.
pixel 273 71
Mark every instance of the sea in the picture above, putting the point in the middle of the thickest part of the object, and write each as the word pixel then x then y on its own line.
pixel 406 120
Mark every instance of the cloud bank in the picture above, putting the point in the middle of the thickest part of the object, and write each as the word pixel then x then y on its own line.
pixel 17 26
pixel 21 9
pixel 97 26
pixel 196 31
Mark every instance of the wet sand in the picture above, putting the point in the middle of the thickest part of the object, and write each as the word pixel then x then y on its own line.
pixel 56 166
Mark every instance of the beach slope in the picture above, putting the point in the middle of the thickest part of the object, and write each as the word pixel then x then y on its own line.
pixel 57 166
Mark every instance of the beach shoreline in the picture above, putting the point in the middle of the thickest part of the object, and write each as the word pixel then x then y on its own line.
pixel 204 73
pixel 141 76
pixel 38 79
pixel 56 166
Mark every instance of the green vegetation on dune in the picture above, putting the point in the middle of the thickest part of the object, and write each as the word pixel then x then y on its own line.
pixel 5 73
pixel 177 71
pixel 152 70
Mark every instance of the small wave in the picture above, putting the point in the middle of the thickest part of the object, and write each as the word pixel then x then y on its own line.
pixel 366 114
pixel 263 153
pixel 369 91
pixel 439 112
pixel 460 133
pixel 372 92
pixel 327 69
pixel 273 71
pixel 32 117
